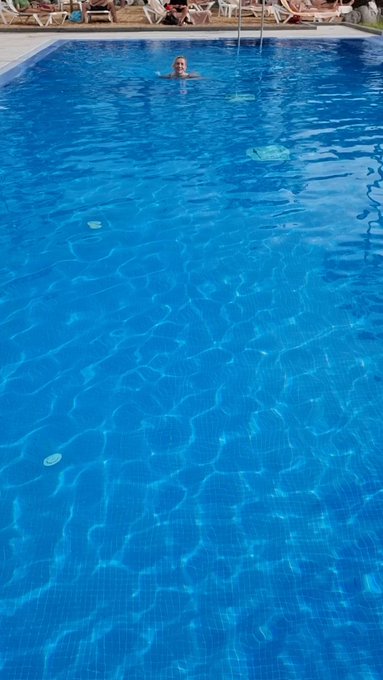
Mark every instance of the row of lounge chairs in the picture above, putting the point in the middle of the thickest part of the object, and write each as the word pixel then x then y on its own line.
pixel 155 12
pixel 284 12
pixel 280 11
pixel 9 14
pixel 199 12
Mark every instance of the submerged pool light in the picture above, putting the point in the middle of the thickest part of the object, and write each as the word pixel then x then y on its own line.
pixel 53 459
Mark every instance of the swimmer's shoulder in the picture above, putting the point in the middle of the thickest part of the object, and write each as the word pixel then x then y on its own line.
pixel 188 76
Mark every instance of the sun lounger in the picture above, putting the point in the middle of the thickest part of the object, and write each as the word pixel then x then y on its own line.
pixel 227 8
pixel 203 6
pixel 36 15
pixel 154 11
pixel 284 12
pixel 198 15
pixel 5 12
pixel 98 13
pixel 256 9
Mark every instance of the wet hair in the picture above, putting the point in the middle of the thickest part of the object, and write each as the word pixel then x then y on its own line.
pixel 180 56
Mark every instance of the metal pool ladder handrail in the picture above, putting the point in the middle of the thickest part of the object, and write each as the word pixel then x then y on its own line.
pixel 240 25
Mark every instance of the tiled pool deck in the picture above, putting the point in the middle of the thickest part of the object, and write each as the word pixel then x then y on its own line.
pixel 16 47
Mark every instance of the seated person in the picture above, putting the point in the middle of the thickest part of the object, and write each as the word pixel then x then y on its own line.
pixel 179 9
pixel 180 69
pixel 99 6
pixel 27 7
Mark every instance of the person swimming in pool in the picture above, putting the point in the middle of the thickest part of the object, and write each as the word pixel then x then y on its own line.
pixel 180 66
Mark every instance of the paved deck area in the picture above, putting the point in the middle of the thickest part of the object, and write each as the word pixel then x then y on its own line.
pixel 15 48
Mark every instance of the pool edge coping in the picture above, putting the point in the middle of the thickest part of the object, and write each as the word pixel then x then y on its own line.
pixel 62 30
pixel 17 66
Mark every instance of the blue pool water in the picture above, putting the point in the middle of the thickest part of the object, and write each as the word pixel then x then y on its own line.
pixel 208 361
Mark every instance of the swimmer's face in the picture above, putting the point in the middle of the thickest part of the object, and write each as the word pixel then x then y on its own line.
pixel 180 66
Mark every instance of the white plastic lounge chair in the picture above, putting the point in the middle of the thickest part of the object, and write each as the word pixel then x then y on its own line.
pixel 255 9
pixel 227 8
pixel 37 16
pixel 70 5
pixel 197 15
pixel 97 13
pixel 4 12
pixel 201 5
pixel 344 9
pixel 15 14
pixel 311 15
pixel 56 17
pixel 154 11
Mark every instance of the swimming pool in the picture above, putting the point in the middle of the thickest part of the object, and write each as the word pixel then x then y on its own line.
pixel 197 330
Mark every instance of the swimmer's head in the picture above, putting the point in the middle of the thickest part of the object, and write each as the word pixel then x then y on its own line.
pixel 180 66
